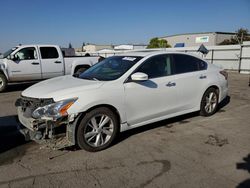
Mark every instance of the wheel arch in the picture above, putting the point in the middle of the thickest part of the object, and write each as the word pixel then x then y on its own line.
pixel 215 87
pixel 80 66
pixel 82 114
pixel 4 73
pixel 4 81
pixel 112 108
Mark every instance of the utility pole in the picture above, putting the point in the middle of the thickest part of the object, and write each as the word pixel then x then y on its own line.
pixel 241 39
pixel 83 44
pixel 241 46
pixel 249 80
pixel 240 43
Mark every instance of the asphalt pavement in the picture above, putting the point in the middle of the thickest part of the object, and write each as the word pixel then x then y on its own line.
pixel 186 151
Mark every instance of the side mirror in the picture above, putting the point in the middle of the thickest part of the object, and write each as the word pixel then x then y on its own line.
pixel 12 57
pixel 139 76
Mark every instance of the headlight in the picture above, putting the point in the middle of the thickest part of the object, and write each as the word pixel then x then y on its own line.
pixel 55 110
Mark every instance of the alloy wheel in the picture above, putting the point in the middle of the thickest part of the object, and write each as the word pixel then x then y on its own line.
pixel 99 130
pixel 1 82
pixel 211 102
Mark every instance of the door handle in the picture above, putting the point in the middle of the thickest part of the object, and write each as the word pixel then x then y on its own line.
pixel 35 63
pixel 57 62
pixel 203 76
pixel 171 84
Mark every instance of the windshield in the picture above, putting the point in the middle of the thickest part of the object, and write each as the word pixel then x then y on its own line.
pixel 111 68
pixel 9 52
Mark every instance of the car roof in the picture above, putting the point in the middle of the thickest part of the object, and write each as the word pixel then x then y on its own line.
pixel 147 53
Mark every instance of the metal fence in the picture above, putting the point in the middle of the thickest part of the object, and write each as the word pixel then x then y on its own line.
pixel 230 57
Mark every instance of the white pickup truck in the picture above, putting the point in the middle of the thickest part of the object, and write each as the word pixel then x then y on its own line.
pixel 39 62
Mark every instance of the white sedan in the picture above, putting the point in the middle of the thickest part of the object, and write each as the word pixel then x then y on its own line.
pixel 121 93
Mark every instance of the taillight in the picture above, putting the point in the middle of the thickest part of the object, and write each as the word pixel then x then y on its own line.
pixel 224 73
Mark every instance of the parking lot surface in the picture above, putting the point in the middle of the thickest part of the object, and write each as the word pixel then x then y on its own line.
pixel 187 151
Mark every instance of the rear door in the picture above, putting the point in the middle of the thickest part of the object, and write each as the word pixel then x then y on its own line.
pixel 52 62
pixel 191 77
pixel 25 65
pixel 155 97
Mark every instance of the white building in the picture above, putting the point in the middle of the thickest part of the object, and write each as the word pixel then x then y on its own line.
pixel 196 39
pixel 130 47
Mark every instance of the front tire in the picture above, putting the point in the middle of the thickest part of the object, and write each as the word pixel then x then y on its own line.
pixel 209 102
pixel 97 130
pixel 3 82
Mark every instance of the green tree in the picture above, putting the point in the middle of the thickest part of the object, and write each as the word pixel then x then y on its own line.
pixel 240 36
pixel 243 35
pixel 158 43
pixel 231 41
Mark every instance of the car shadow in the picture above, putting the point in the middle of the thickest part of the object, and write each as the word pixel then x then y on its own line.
pixel 168 123
pixel 244 166
pixel 9 135
pixel 18 86
pixel 224 102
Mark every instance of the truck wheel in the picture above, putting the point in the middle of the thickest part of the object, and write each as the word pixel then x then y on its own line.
pixel 97 130
pixel 209 102
pixel 80 70
pixel 3 82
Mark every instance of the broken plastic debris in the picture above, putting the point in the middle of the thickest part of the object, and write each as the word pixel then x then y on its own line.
pixel 215 140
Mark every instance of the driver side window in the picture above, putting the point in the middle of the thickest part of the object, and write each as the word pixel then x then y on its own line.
pixel 157 66
pixel 26 54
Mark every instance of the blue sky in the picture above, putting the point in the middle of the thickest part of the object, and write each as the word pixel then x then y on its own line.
pixel 121 21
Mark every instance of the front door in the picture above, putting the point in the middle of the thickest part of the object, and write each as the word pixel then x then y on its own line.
pixel 25 65
pixel 154 98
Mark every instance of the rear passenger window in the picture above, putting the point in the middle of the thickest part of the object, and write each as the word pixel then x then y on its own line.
pixel 49 52
pixel 186 63
pixel 157 66
pixel 202 65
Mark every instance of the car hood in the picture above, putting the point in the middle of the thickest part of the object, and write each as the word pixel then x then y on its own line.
pixel 60 86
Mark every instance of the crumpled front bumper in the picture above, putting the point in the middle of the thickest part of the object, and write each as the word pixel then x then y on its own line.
pixel 29 123
pixel 43 132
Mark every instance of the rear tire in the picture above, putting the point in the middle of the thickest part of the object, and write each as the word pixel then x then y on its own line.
pixel 209 102
pixel 3 82
pixel 97 130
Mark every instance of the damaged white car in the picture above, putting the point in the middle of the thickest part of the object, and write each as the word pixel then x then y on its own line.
pixel 120 93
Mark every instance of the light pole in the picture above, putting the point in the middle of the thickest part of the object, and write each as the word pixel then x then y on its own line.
pixel 83 44
pixel 241 46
